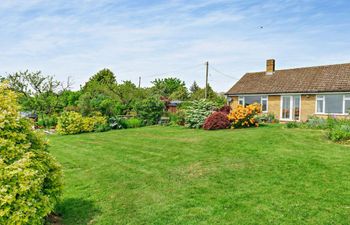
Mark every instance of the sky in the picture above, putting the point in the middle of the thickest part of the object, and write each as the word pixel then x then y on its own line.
pixel 158 39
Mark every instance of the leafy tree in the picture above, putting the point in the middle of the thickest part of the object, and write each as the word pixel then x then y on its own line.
pixel 149 110
pixel 212 96
pixel 30 178
pixel 167 86
pixel 104 78
pixel 90 103
pixel 100 95
pixel 180 94
pixel 39 93
pixel 69 98
pixel 128 92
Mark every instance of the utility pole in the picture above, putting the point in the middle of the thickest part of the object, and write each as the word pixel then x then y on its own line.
pixel 206 79
pixel 139 82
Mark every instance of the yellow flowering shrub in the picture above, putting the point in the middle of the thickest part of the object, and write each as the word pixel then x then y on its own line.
pixel 30 178
pixel 241 116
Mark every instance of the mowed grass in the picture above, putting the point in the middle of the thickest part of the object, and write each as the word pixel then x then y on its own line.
pixel 173 175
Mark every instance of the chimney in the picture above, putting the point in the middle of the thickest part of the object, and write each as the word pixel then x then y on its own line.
pixel 270 67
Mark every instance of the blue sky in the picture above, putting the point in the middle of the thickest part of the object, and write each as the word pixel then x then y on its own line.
pixel 154 39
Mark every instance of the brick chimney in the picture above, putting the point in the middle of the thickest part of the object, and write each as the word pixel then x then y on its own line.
pixel 270 67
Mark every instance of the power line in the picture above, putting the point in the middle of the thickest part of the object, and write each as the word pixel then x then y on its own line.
pixel 222 73
pixel 174 71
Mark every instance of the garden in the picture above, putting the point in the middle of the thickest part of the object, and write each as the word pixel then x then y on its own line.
pixel 176 175
pixel 200 166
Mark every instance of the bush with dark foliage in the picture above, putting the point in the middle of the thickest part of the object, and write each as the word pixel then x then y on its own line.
pixel 216 121
pixel 225 109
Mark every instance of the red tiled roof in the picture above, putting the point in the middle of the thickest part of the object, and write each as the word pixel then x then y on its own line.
pixel 330 78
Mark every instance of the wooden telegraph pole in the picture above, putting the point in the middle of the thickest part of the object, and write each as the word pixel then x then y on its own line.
pixel 206 79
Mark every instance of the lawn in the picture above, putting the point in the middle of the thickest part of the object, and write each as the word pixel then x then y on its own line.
pixel 173 175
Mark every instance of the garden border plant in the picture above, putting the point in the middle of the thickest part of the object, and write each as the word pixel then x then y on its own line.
pixel 30 178
pixel 338 130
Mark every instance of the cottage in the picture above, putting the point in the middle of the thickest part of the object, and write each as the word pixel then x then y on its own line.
pixel 295 94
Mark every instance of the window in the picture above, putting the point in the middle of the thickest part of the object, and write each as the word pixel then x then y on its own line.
pixel 296 107
pixel 347 104
pixel 248 100
pixel 333 104
pixel 264 103
pixel 241 100
pixel 320 104
pixel 290 107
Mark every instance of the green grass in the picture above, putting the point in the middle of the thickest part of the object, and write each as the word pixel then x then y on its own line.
pixel 167 175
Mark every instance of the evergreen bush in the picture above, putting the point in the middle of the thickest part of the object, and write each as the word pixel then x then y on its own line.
pixel 30 178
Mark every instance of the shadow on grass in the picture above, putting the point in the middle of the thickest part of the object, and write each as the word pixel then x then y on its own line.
pixel 77 211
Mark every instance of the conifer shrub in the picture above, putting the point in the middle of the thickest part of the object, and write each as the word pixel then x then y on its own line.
pixel 216 121
pixel 30 178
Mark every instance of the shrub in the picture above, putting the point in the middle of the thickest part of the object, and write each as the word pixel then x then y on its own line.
pixel 317 123
pixel 30 178
pixel 117 122
pixel 340 133
pixel 149 110
pixel 266 118
pixel 216 121
pixel 244 116
pixel 177 118
pixel 70 123
pixel 226 109
pixel 133 123
pixel 47 122
pixel 102 128
pixel 90 124
pixel 75 123
pixel 197 112
pixel 292 124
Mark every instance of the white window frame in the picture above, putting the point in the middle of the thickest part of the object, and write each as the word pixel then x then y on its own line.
pixel 291 107
pixel 241 98
pixel 346 97
pixel 267 103
pixel 262 97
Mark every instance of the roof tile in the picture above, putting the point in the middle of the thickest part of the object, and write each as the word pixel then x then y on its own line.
pixel 330 78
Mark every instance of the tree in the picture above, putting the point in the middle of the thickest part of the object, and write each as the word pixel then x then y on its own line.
pixel 194 87
pixel 100 94
pixel 180 94
pixel 167 86
pixel 91 103
pixel 69 98
pixel 30 178
pixel 39 93
pixel 149 110
pixel 212 95
pixel 103 78
pixel 128 92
